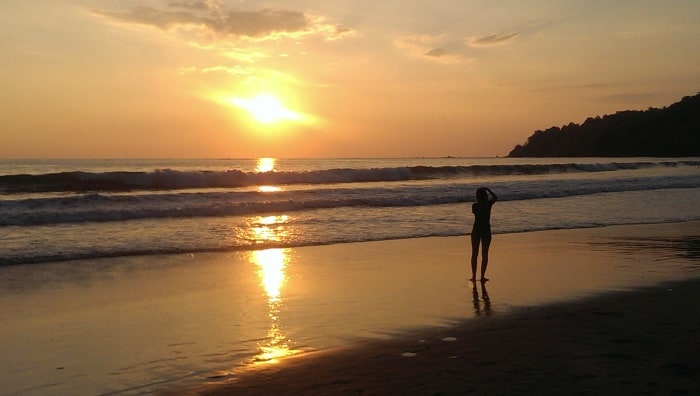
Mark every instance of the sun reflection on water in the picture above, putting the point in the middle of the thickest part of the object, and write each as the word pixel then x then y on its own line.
pixel 272 264
pixel 265 165
pixel 268 189
pixel 271 269
pixel 264 229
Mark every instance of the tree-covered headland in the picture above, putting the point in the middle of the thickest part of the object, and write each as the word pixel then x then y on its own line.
pixel 672 131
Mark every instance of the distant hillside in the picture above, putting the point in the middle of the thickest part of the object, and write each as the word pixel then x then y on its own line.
pixel 672 131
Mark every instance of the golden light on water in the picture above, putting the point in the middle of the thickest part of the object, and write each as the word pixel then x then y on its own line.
pixel 271 269
pixel 268 228
pixel 265 165
pixel 276 348
pixel 269 189
pixel 272 264
pixel 269 220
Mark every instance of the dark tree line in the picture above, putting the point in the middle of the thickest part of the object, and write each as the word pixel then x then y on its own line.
pixel 672 131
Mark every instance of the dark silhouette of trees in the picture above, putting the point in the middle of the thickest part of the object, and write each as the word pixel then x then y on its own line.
pixel 672 131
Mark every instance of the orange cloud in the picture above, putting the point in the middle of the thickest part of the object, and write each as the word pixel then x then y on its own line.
pixel 429 47
pixel 491 40
pixel 210 22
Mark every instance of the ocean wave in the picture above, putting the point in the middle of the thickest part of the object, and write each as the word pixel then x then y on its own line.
pixel 169 179
pixel 163 223
pixel 106 207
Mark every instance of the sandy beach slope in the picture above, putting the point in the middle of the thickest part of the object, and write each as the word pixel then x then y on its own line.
pixel 387 317
pixel 633 342
pixel 628 340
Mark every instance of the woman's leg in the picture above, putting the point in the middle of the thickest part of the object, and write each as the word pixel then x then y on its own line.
pixel 475 253
pixel 486 244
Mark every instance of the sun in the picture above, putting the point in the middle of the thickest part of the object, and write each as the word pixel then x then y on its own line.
pixel 266 109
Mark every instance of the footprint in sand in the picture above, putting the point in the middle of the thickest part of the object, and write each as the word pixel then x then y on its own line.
pixel 449 339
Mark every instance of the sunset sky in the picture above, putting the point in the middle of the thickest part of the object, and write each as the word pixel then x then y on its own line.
pixel 331 78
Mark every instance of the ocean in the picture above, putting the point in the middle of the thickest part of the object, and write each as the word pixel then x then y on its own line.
pixel 58 210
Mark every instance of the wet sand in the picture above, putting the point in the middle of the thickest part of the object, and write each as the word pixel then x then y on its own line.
pixel 633 342
pixel 631 339
pixel 339 319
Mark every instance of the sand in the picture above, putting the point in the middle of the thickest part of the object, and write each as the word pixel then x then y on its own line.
pixel 635 342
pixel 627 340
pixel 388 317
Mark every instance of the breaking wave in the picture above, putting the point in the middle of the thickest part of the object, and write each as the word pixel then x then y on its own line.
pixel 168 179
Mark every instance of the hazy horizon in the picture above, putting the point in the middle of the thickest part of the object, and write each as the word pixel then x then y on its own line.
pixel 166 79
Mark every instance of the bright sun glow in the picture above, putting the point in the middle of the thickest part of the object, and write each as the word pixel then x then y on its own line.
pixel 265 165
pixel 266 109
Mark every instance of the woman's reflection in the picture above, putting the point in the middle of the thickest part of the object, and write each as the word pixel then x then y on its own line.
pixel 478 309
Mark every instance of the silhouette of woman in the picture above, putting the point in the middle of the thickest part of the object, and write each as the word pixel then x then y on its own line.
pixel 481 231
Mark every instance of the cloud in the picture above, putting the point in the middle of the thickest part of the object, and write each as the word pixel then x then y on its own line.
pixel 440 48
pixel 231 70
pixel 491 40
pixel 429 47
pixel 196 4
pixel 209 22
pixel 437 53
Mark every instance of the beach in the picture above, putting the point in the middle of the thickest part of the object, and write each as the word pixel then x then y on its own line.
pixel 632 343
pixel 569 307
pixel 626 340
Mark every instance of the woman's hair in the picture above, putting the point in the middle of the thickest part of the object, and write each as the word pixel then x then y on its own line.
pixel 481 195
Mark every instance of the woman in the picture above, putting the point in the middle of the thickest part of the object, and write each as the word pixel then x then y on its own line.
pixel 481 231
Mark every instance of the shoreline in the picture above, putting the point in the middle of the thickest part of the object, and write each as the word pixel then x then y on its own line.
pixel 176 323
pixel 635 338
pixel 253 248
pixel 641 341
